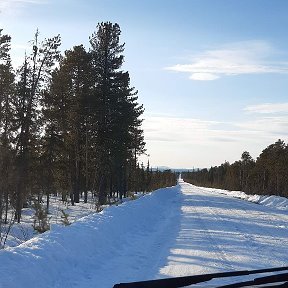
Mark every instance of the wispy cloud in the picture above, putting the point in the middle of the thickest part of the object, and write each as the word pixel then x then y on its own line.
pixel 268 108
pixel 203 132
pixel 250 57
pixel 208 142
pixel 267 126
pixel 203 76
pixel 13 6
pixel 176 129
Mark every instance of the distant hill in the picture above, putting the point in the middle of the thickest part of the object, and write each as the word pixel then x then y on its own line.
pixel 162 168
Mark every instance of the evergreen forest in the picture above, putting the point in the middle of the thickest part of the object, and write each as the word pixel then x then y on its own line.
pixel 70 124
pixel 267 175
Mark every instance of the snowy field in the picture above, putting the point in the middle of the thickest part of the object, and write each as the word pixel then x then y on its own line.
pixel 24 231
pixel 178 231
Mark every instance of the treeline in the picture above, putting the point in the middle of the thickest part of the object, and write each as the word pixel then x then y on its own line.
pixel 267 175
pixel 69 123
pixel 149 179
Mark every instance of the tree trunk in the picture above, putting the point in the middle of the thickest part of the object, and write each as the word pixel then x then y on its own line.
pixel 21 186
pixel 102 187
pixel 86 164
pixel 47 202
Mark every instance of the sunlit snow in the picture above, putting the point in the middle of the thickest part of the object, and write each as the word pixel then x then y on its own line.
pixel 183 230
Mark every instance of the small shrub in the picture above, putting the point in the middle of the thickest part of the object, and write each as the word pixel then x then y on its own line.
pixel 132 196
pixel 64 218
pixel 41 221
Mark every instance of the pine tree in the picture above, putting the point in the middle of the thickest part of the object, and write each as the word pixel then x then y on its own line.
pixel 34 78
pixel 68 106
pixel 271 168
pixel 247 163
pixel 267 175
pixel 6 121
pixel 117 111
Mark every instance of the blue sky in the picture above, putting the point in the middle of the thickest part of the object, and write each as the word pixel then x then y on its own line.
pixel 212 74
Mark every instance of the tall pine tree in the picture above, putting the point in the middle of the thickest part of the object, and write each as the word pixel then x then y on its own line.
pixel 6 120
pixel 67 109
pixel 117 111
pixel 34 78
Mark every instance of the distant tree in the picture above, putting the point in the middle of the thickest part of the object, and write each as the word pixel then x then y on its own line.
pixel 271 167
pixel 233 176
pixel 247 164
pixel 267 175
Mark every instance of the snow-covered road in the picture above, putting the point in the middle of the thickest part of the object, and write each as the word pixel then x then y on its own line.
pixel 221 233
pixel 183 230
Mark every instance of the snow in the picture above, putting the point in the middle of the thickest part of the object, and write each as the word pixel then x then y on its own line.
pixel 177 231
pixel 24 231
pixel 272 201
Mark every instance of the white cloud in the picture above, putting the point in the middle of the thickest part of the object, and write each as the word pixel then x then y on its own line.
pixel 176 129
pixel 250 57
pixel 203 76
pixel 268 108
pixel 12 6
pixel 202 143
pixel 267 126
pixel 189 130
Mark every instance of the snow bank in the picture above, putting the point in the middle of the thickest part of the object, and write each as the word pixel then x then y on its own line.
pixel 271 201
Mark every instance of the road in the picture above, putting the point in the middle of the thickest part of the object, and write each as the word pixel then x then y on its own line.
pixel 220 233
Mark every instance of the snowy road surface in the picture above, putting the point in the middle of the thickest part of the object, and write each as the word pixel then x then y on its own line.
pixel 183 230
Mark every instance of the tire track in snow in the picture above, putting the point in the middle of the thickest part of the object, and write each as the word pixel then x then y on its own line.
pixel 264 220
pixel 218 251
pixel 219 233
pixel 195 250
